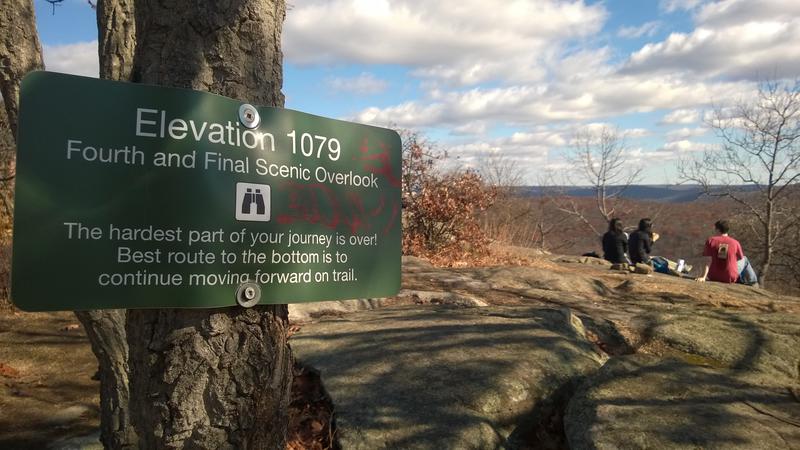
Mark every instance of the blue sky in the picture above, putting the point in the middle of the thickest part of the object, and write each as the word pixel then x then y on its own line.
pixel 514 78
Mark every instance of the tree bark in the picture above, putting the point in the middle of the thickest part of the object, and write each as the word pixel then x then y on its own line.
pixel 211 378
pixel 20 52
pixel 106 328
pixel 768 239
pixel 198 378
pixel 106 332
pixel 116 32
pixel 231 48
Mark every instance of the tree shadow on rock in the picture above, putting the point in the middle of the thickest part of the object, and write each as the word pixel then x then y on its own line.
pixel 443 377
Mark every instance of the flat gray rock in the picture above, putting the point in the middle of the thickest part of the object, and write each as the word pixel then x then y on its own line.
pixel 457 376
pixel 638 402
pixel 763 346
pixel 90 442
pixel 439 377
pixel 304 312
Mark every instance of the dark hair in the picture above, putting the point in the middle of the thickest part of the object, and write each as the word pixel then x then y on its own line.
pixel 722 226
pixel 615 226
pixel 646 225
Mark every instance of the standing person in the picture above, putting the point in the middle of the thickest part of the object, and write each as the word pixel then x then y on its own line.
pixel 615 243
pixel 724 253
pixel 640 244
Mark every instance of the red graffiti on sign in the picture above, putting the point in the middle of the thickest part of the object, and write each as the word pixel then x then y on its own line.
pixel 317 203
pixel 378 163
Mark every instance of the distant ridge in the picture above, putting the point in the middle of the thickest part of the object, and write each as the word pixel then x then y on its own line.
pixel 649 192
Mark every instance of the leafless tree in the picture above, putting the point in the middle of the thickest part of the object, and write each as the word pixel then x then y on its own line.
pixel 600 156
pixel 757 163
pixel 511 219
pixel 501 171
pixel 597 158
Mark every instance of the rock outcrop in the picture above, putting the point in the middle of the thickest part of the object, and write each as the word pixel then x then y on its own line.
pixel 447 377
pixel 642 402
pixel 661 362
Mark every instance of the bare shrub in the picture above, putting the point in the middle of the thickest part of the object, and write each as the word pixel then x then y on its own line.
pixel 440 210
pixel 7 172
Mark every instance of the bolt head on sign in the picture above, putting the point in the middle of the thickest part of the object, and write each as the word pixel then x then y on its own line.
pixel 248 115
pixel 143 196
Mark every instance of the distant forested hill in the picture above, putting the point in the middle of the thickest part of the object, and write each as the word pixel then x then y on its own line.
pixel 647 192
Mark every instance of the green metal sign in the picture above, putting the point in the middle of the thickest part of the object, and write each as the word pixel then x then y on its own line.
pixel 137 196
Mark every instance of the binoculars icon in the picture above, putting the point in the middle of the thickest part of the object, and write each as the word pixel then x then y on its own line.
pixel 252 202
pixel 253 199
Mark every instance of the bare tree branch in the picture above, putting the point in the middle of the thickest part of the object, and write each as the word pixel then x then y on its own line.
pixel 601 156
pixel 760 149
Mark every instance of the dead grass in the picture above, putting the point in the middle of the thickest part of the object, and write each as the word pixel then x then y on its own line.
pixel 46 390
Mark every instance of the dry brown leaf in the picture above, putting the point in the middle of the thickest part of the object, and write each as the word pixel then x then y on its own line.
pixel 8 371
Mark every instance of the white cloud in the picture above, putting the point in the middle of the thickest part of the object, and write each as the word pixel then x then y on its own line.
pixel 541 138
pixel 525 152
pixel 675 5
pixel 78 59
pixel 545 67
pixel 542 75
pixel 685 133
pixel 646 29
pixel 530 148
pixel 363 84
pixel 734 39
pixel 733 12
pixel 640 156
pixel 681 116
pixel 579 100
pixel 684 146
pixel 671 152
pixel 470 129
pixel 634 133
pixel 463 41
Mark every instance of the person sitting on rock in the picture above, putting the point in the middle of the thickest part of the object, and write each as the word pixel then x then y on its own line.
pixel 640 244
pixel 724 253
pixel 615 243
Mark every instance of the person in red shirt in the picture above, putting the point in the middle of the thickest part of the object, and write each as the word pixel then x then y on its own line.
pixel 724 253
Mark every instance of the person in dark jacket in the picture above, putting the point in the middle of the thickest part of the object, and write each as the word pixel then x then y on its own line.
pixel 615 243
pixel 640 244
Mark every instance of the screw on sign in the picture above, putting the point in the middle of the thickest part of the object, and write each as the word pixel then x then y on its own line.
pixel 248 294
pixel 248 115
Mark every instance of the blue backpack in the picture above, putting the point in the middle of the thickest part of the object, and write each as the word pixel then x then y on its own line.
pixel 660 264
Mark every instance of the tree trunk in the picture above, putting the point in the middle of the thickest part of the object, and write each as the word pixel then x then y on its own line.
pixel 20 52
pixel 200 378
pixel 767 250
pixel 116 33
pixel 106 332
pixel 106 328
pixel 768 226
pixel 211 378
pixel 231 48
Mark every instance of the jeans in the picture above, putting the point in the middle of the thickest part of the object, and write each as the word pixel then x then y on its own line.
pixel 746 273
